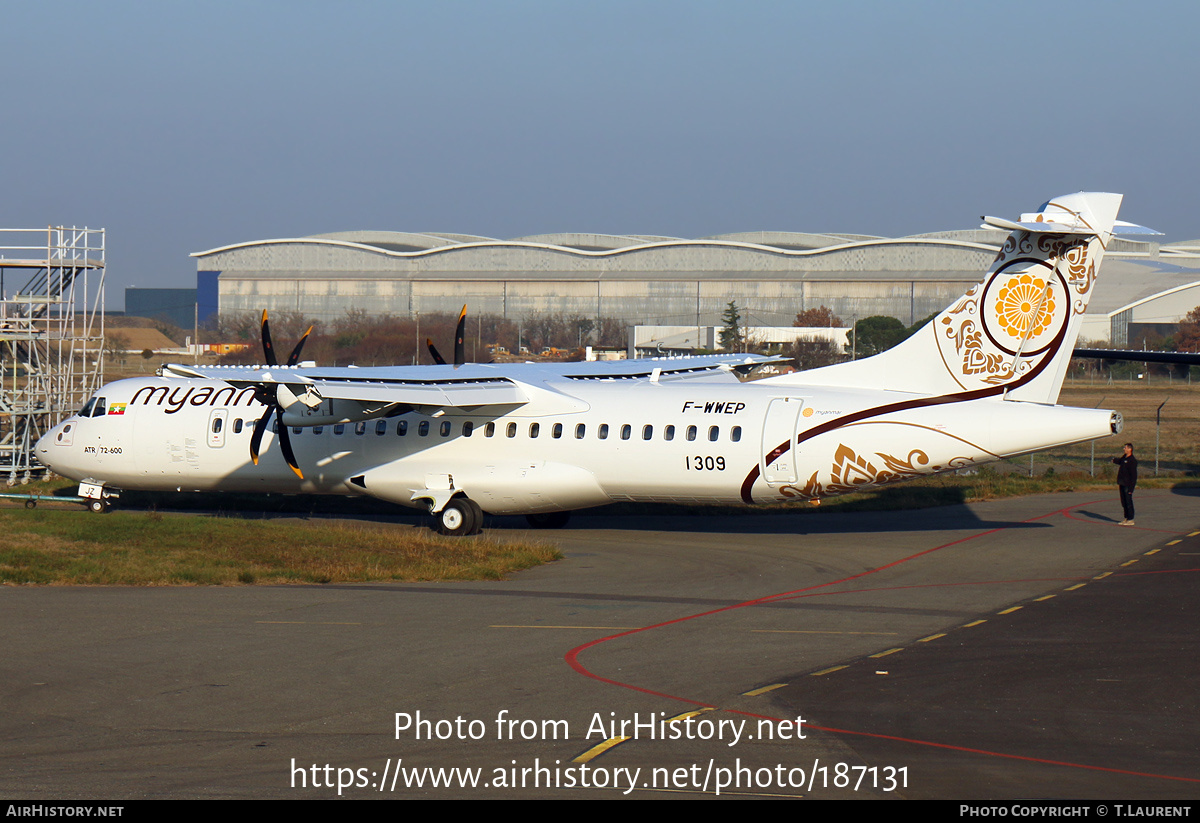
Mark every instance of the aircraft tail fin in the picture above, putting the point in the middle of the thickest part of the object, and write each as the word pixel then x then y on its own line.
pixel 1013 333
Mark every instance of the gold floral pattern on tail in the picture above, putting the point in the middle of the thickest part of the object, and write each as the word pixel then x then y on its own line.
pixel 1007 324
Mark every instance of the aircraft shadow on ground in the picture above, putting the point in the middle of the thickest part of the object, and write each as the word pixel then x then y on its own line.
pixel 941 518
pixel 945 511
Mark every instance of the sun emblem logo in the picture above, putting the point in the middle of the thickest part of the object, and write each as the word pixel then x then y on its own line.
pixel 1024 307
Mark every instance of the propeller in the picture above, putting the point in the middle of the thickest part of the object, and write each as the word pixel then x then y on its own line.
pixel 433 352
pixel 460 352
pixel 269 349
pixel 269 396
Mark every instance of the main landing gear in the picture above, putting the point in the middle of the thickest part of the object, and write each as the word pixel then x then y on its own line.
pixel 461 516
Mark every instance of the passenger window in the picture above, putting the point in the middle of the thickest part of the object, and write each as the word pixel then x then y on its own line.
pixel 360 427
pixel 489 429
pixel 401 427
pixel 216 427
pixel 647 432
pixel 468 427
pixel 381 427
pixel 735 434
pixel 602 432
pixel 237 426
pixel 713 433
pixel 580 431
pixel 691 432
pixel 625 431
pixel 511 431
pixel 669 433
pixel 445 428
pixel 339 428
pixel 423 428
pixel 275 426
pixel 316 429
pixel 534 428
pixel 296 429
pixel 556 432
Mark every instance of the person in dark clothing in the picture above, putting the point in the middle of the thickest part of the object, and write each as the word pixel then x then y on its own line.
pixel 1126 481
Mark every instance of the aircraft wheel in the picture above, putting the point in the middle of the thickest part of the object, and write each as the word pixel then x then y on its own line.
pixel 458 518
pixel 476 514
pixel 31 504
pixel 99 506
pixel 548 520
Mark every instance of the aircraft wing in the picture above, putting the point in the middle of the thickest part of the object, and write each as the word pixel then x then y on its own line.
pixel 371 386
pixel 310 395
pixel 484 376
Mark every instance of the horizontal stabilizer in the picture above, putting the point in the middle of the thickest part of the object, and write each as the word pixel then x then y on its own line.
pixel 1121 227
pixel 1034 226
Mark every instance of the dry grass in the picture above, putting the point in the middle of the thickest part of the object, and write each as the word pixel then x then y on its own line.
pixel 46 546
pixel 1138 401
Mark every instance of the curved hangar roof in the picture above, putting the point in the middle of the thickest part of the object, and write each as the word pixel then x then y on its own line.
pixel 855 274
pixel 960 252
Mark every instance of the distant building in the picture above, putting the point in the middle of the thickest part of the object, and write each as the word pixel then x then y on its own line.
pixel 647 280
pixel 177 306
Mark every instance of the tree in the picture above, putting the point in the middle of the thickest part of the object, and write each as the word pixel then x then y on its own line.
pixel 731 333
pixel 611 332
pixel 817 318
pixel 814 352
pixel 115 344
pixel 1188 336
pixel 871 335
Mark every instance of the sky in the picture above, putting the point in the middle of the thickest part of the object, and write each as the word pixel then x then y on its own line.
pixel 181 127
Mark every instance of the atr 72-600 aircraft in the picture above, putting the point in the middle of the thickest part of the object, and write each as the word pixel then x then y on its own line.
pixel 976 384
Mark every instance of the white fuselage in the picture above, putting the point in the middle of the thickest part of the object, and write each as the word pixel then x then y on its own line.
pixel 577 443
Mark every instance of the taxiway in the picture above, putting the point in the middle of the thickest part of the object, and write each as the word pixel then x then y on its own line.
pixel 1015 648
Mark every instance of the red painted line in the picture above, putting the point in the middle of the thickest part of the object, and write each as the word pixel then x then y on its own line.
pixel 572 656
pixel 1067 513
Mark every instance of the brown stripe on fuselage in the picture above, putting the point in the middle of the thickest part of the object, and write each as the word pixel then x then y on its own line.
pixel 940 400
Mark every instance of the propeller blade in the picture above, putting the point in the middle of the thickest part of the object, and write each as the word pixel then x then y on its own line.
pixel 294 357
pixel 260 426
pixel 460 354
pixel 285 444
pixel 268 349
pixel 433 352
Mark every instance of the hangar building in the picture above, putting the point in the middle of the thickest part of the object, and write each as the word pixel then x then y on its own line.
pixel 665 280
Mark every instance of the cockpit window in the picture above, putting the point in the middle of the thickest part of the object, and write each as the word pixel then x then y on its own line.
pixel 86 411
pixel 101 407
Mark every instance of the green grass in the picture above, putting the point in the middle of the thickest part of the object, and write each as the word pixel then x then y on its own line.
pixel 52 546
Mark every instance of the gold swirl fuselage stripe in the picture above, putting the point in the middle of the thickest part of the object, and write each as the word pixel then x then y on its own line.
pixel 918 403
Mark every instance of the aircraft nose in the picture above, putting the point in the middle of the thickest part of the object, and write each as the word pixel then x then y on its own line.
pixel 47 449
pixel 41 449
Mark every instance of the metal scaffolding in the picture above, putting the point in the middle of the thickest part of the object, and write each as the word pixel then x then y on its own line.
pixel 51 335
